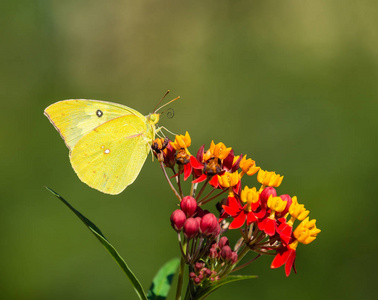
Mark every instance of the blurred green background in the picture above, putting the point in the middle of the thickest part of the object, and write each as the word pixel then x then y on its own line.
pixel 293 84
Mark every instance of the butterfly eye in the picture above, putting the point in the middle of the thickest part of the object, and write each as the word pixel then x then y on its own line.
pixel 99 113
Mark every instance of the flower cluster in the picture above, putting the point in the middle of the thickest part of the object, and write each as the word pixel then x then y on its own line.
pixel 264 219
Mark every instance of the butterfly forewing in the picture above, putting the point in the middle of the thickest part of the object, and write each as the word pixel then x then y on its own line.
pixel 110 157
pixel 75 118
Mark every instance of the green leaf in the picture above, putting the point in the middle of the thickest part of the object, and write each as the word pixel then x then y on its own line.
pixel 230 278
pixel 113 252
pixel 162 281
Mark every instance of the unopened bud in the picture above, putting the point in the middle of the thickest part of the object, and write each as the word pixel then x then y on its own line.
pixel 188 205
pixel 209 224
pixel 191 228
pixel 223 241
pixel 226 252
pixel 178 219
pixel 234 257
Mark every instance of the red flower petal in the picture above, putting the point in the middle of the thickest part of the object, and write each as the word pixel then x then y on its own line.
pixel 187 171
pixel 232 211
pixel 261 214
pixel 280 259
pixel 195 163
pixel 270 226
pixel 238 221
pixel 251 218
pixel 285 230
pixel 262 224
pixel 290 262
pixel 233 207
pixel 214 181
pixel 200 179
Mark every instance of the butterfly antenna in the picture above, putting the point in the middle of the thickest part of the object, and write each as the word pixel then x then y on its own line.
pixel 166 93
pixel 156 109
pixel 170 112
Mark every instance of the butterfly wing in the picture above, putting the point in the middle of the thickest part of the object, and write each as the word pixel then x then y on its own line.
pixel 110 157
pixel 75 118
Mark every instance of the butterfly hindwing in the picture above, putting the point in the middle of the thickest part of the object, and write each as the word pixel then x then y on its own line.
pixel 76 118
pixel 110 157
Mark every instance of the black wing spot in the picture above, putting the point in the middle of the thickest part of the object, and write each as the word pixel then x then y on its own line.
pixel 99 113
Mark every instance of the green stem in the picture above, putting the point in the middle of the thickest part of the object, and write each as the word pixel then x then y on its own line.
pixel 246 264
pixel 181 274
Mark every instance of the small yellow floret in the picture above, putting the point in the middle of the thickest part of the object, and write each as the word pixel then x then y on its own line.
pixel 217 150
pixel 298 211
pixel 248 166
pixel 249 196
pixel 229 179
pixel 306 231
pixel 276 204
pixel 269 178
pixel 182 141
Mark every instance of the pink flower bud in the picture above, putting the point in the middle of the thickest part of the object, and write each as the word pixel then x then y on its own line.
pixel 226 252
pixel 191 228
pixel 178 219
pixel 208 273
pixel 265 194
pixel 188 205
pixel 213 252
pixel 234 257
pixel 223 241
pixel 217 230
pixel 198 265
pixel 286 198
pixel 209 224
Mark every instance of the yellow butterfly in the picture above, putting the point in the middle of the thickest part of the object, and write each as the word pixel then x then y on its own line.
pixel 108 142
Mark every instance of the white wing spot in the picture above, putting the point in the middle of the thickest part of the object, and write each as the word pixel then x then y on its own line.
pixel 107 151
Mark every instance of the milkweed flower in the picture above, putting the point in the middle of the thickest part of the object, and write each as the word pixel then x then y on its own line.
pixel 269 178
pixel 305 233
pixel 248 166
pixel 182 142
pixel 264 219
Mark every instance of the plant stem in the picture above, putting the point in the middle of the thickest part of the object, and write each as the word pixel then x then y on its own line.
pixel 181 274
pixel 202 202
pixel 246 264
pixel 178 180
pixel 170 183
pixel 203 188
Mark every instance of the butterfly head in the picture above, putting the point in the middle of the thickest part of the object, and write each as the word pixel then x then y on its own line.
pixel 153 118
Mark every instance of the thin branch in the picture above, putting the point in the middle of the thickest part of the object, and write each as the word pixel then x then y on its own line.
pixel 246 264
pixel 169 181
pixel 208 200
pixel 203 188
